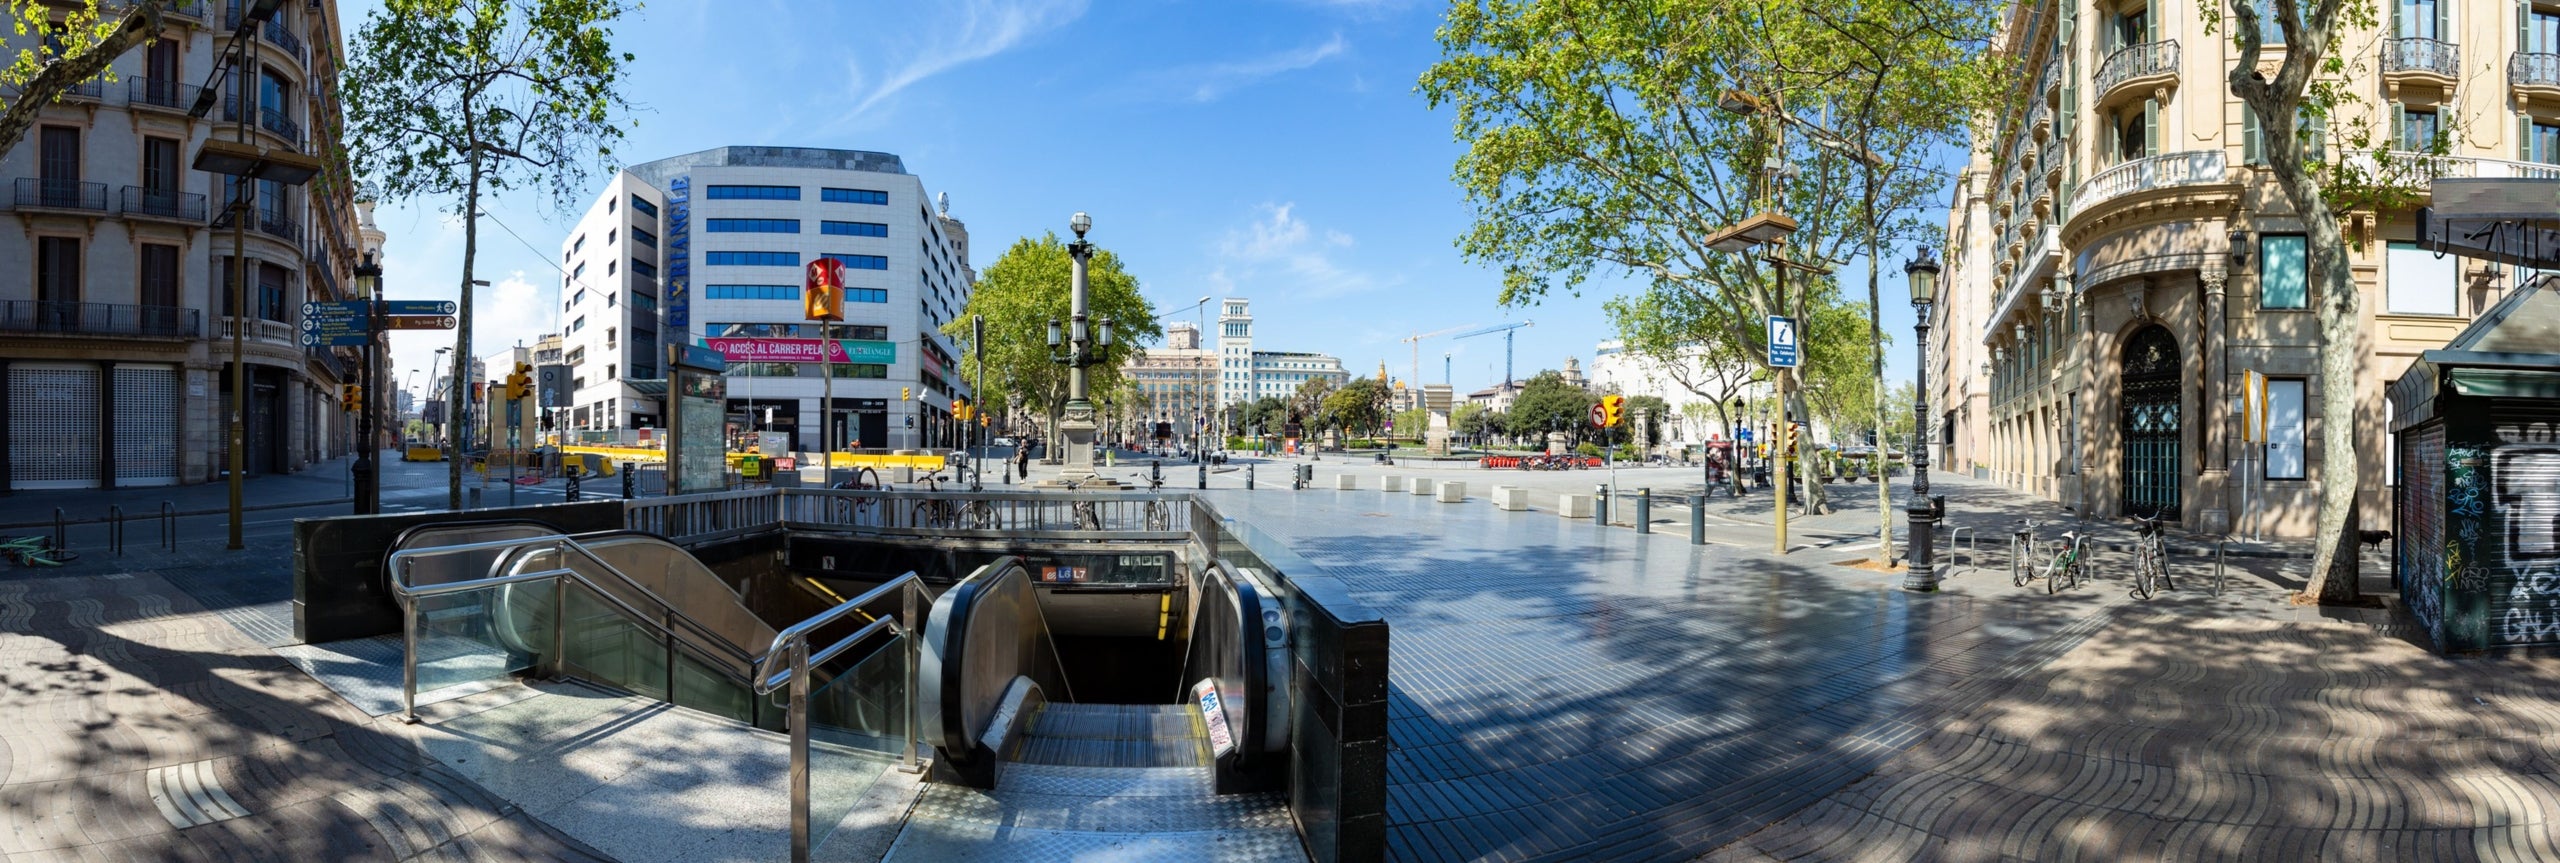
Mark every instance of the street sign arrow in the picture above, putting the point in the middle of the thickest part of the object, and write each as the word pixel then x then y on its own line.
pixel 334 325
pixel 334 308
pixel 418 322
pixel 1599 416
pixel 334 340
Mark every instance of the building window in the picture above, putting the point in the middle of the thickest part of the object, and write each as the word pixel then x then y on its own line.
pixel 579 272
pixel 854 229
pixel 865 295
pixel 2284 277
pixel 751 193
pixel 608 205
pixel 609 369
pixel 2421 19
pixel 2542 34
pixel 764 370
pixel 2285 429
pixel 581 244
pixel 859 262
pixel 751 292
pixel 644 268
pixel 852 196
pixel 609 236
pixel 751 226
pixel 271 290
pixel 2419 130
pixel 752 259
pixel 861 370
pixel 579 324
pixel 2421 282
pixel 864 332
pixel 2542 144
pixel 577 297
pixel 57 269
pixel 608 267
pixel 159 270
pixel 644 238
pixel 752 331
pixel 642 205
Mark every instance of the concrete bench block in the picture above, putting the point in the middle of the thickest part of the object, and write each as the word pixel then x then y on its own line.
pixel 1574 506
pixel 1391 482
pixel 1452 491
pixel 1510 498
pixel 1345 482
pixel 1420 485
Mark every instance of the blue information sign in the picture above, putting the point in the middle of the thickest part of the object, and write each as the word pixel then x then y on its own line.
pixel 1782 341
pixel 335 340
pixel 1743 435
pixel 335 325
pixel 334 309
pixel 419 307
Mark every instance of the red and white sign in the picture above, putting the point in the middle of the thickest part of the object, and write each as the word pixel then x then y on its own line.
pixel 754 350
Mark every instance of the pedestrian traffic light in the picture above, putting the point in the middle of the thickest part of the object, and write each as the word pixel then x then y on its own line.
pixel 350 397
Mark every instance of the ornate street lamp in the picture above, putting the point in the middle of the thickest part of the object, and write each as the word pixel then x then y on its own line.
pixel 1082 351
pixel 1922 274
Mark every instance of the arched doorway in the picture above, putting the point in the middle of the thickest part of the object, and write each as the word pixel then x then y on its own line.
pixel 2152 385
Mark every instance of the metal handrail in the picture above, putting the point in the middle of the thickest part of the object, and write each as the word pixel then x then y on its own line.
pixel 407 594
pixel 791 645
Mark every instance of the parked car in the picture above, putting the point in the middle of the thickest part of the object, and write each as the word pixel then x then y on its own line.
pixel 1003 441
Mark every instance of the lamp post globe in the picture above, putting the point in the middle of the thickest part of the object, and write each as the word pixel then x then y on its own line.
pixel 1922 275
pixel 1080 223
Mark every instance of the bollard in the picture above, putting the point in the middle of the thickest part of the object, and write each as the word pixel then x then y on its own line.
pixel 168 526
pixel 1644 510
pixel 573 484
pixel 61 540
pixel 1600 505
pixel 474 501
pixel 1155 471
pixel 1204 477
pixel 630 478
pixel 1698 520
pixel 115 529
pixel 1248 477
pixel 1297 478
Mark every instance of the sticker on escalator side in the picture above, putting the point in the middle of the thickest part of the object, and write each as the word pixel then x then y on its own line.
pixel 1212 713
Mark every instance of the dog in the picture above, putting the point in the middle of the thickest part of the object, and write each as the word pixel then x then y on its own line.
pixel 2373 539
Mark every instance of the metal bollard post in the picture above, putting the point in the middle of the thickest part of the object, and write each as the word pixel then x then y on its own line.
pixel 630 478
pixel 115 528
pixel 573 484
pixel 168 526
pixel 61 540
pixel 1644 510
pixel 474 501
pixel 1698 520
pixel 1204 477
pixel 1155 471
pixel 1297 477
pixel 1248 477
pixel 1600 505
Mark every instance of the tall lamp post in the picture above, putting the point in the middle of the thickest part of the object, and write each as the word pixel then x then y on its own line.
pixel 1922 273
pixel 368 479
pixel 1082 350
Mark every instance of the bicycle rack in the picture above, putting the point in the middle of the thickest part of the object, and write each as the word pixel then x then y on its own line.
pixel 2217 565
pixel 168 526
pixel 115 528
pixel 1972 559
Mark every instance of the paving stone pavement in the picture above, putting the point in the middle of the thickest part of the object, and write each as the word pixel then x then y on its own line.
pixel 141 725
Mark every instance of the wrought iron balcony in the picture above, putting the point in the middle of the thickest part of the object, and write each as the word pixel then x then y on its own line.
pixel 2529 70
pixel 276 32
pixel 2194 167
pixel 2142 62
pixel 163 203
pixel 100 319
pixel 184 9
pixel 280 225
pixel 272 120
pixel 155 93
pixel 2427 56
pixel 60 194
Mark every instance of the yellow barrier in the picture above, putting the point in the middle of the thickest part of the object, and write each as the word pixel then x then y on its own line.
pixel 423 453
pixel 875 461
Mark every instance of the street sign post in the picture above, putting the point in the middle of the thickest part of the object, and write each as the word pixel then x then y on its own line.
pixel 334 309
pixel 398 308
pixel 335 340
pixel 418 322
pixel 1782 342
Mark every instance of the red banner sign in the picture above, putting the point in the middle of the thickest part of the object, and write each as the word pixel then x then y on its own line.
pixel 750 350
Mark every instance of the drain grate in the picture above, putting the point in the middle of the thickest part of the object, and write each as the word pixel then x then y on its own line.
pixel 189 795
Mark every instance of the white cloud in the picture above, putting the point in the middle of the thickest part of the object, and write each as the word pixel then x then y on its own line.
pixel 1280 244
pixel 981 29
pixel 1207 83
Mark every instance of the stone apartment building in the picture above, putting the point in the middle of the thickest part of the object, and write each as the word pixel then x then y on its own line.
pixel 2120 257
pixel 116 315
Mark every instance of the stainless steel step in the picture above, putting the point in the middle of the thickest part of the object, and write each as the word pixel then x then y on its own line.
pixel 1113 735
pixel 1038 811
pixel 957 841
pixel 1107 781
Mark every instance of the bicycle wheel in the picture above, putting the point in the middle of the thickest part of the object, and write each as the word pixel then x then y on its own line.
pixel 1158 518
pixel 977 515
pixel 2055 572
pixel 1087 518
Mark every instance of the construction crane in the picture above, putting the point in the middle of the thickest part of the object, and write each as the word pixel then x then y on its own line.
pixel 1415 341
pixel 1507 331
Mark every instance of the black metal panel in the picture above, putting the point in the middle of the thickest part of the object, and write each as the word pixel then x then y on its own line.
pixel 2152 427
pixel 2522 509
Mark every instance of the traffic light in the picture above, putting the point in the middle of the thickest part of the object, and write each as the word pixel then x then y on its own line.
pixel 906 393
pixel 1612 410
pixel 350 397
pixel 960 409
pixel 520 382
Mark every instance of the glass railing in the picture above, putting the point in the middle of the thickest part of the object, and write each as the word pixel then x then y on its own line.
pixel 476 636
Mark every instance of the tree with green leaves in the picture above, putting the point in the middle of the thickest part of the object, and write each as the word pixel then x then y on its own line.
pixel 75 42
pixel 1027 287
pixel 460 99
pixel 1624 136
pixel 1357 407
pixel 1547 403
pixel 2310 85
pixel 1306 406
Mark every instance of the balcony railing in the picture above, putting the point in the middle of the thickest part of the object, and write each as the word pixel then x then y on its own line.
pixel 328 358
pixel 2525 69
pixel 272 120
pixel 184 8
pixel 260 330
pixel 2138 61
pixel 161 94
pixel 2411 167
pixel 279 224
pixel 164 203
pixel 99 319
pixel 2189 168
pixel 60 194
pixel 277 33
pixel 2418 54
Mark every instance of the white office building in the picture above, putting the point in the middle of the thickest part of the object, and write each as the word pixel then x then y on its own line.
pixel 1614 369
pixel 707 248
pixel 1246 374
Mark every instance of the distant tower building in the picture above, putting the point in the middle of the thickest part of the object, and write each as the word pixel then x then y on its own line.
pixel 1573 371
pixel 1235 352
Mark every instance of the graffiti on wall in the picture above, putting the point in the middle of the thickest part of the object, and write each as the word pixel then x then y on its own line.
pixel 2526 504
pixel 2420 550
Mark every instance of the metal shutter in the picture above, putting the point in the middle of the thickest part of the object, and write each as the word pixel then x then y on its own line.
pixel 53 425
pixel 2420 545
pixel 147 425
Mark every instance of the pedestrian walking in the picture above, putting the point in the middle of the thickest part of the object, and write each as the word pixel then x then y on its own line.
pixel 1022 461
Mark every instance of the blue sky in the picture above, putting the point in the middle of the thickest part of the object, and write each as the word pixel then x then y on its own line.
pixel 1271 149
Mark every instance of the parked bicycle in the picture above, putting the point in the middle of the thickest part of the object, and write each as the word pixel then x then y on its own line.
pixel 2065 564
pixel 2150 557
pixel 34 551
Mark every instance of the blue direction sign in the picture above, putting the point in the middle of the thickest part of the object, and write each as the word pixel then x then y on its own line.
pixel 318 324
pixel 1743 434
pixel 335 340
pixel 334 309
pixel 418 307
